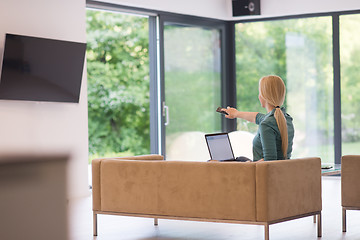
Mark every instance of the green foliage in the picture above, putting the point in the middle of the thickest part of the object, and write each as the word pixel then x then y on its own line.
pixel 118 83
pixel 189 92
pixel 261 49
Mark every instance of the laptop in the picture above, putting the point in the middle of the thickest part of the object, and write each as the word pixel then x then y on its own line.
pixel 220 148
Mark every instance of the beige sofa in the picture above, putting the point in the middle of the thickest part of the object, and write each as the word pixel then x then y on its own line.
pixel 350 185
pixel 250 193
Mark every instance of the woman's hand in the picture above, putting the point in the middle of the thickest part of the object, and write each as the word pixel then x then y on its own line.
pixel 232 112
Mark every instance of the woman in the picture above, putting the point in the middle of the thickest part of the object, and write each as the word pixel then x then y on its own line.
pixel 274 138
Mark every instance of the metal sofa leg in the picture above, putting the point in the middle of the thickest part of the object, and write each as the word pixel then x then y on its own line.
pixel 156 222
pixel 95 224
pixel 266 228
pixel 344 219
pixel 319 225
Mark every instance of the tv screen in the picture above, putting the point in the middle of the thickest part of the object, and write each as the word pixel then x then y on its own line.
pixel 41 69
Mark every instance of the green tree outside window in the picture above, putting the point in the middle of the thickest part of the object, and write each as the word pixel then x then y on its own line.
pixel 118 84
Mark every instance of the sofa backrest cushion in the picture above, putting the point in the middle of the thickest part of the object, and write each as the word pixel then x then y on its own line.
pixel 96 166
pixel 350 181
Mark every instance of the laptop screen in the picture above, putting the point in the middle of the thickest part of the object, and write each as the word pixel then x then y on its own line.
pixel 219 146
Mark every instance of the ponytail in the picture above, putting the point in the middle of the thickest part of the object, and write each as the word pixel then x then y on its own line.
pixel 272 89
pixel 282 125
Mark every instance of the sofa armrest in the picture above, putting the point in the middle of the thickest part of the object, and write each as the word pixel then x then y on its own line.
pixel 350 181
pixel 96 174
pixel 95 164
pixel 288 188
pixel 150 157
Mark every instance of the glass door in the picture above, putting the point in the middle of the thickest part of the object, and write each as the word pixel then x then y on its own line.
pixel 192 89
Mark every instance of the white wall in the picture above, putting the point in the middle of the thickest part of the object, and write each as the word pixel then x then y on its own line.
pixel 221 9
pixel 45 126
pixel 286 7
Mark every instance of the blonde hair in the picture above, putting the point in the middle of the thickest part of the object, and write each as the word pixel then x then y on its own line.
pixel 272 89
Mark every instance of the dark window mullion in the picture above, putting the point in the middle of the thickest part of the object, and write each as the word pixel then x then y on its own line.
pixel 229 77
pixel 154 88
pixel 337 89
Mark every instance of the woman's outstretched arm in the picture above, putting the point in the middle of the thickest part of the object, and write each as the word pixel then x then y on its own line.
pixel 234 113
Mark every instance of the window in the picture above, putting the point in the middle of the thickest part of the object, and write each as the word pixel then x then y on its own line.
pixel 350 83
pixel 300 52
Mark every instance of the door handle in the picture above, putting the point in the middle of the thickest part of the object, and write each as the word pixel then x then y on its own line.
pixel 166 113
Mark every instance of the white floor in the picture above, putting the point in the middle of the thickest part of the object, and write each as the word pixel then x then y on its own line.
pixel 130 228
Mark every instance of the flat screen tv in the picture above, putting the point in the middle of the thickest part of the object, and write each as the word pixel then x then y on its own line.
pixel 41 69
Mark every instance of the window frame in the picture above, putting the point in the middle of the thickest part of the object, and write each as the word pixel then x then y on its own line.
pixel 228 66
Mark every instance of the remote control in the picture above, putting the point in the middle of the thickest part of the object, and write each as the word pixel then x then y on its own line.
pixel 221 111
